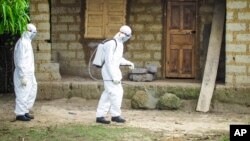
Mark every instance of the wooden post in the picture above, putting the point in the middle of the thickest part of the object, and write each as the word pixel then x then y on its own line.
pixel 212 60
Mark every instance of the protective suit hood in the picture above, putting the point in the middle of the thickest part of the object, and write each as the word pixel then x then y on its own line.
pixel 30 33
pixel 124 34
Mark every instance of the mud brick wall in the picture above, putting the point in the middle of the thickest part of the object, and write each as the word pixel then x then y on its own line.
pixel 70 49
pixel 238 43
pixel 40 17
pixel 67 32
pixel 145 18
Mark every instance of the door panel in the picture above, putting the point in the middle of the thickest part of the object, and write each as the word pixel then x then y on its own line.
pixel 181 39
pixel 187 61
pixel 174 61
pixel 175 17
pixel 188 16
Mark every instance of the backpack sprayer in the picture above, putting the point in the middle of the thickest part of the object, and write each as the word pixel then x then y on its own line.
pixel 97 59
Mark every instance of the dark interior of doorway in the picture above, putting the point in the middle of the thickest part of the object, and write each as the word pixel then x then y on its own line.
pixel 221 68
pixel 6 62
pixel 221 72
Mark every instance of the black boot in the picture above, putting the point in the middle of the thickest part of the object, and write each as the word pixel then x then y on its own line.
pixel 22 118
pixel 118 119
pixel 29 116
pixel 102 120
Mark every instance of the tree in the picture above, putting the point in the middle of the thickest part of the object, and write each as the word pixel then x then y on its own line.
pixel 13 16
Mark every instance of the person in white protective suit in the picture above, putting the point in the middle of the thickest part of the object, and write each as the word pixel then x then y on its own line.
pixel 24 75
pixel 112 95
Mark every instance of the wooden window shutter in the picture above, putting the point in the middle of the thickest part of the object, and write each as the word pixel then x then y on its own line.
pixel 104 18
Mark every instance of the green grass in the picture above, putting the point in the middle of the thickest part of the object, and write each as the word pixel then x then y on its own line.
pixel 224 138
pixel 75 133
pixel 81 132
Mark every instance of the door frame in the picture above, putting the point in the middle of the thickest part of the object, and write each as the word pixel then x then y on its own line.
pixel 164 37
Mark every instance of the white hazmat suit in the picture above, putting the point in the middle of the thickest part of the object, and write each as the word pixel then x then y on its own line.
pixel 111 97
pixel 24 75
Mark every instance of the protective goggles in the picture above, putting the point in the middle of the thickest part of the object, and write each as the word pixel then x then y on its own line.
pixel 128 35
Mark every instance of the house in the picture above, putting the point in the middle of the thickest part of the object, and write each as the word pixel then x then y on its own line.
pixel 173 35
pixel 66 27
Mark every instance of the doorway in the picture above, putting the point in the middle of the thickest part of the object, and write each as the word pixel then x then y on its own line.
pixel 180 41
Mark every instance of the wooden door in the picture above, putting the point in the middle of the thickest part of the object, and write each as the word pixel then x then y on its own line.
pixel 181 39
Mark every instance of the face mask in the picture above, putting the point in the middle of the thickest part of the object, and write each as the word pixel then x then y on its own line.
pixel 124 37
pixel 32 35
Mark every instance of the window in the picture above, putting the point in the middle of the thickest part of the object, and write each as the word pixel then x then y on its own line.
pixel 104 18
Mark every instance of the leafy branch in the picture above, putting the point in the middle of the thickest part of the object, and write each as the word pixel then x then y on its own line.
pixel 13 16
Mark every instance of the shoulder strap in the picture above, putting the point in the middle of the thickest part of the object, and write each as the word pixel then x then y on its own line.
pixel 104 41
pixel 115 43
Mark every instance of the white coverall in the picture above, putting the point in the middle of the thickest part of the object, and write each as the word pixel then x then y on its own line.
pixel 24 75
pixel 112 95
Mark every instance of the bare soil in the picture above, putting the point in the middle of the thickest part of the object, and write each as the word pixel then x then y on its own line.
pixel 173 125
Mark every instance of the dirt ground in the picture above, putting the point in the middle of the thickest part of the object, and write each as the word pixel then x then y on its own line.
pixel 182 124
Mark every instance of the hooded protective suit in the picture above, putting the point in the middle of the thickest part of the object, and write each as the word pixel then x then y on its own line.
pixel 111 97
pixel 24 75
